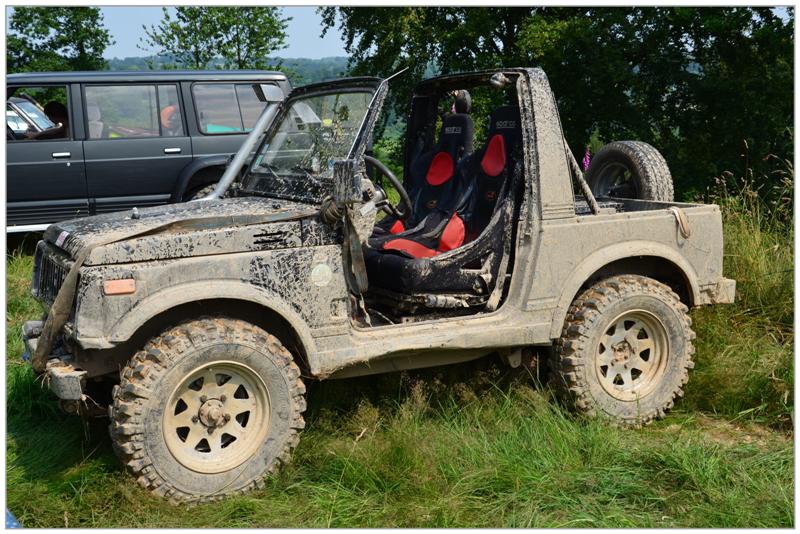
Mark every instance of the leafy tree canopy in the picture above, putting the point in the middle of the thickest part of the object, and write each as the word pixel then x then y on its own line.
pixel 243 37
pixel 703 85
pixel 56 39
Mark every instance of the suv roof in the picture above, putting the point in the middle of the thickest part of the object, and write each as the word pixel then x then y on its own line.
pixel 141 76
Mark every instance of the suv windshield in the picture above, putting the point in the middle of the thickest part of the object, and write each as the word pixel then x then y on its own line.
pixel 296 162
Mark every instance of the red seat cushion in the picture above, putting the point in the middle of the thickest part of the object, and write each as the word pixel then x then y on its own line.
pixel 494 159
pixel 412 248
pixel 452 238
pixel 441 169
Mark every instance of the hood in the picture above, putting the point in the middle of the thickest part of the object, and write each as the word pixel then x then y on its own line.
pixel 182 230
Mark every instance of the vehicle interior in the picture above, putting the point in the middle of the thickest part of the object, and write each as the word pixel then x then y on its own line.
pixel 27 119
pixel 451 255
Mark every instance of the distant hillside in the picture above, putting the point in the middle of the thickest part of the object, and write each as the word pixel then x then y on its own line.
pixel 299 70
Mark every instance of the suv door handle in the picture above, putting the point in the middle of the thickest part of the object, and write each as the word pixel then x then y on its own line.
pixel 61 155
pixel 172 151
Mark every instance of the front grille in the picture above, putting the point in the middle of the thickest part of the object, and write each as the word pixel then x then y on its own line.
pixel 50 268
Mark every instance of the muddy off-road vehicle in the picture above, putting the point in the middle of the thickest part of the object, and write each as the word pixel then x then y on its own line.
pixel 196 324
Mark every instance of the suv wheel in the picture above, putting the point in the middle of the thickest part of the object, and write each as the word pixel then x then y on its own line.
pixel 625 350
pixel 200 193
pixel 207 409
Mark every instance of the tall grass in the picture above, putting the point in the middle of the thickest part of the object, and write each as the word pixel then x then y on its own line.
pixel 20 306
pixel 486 454
pixel 745 350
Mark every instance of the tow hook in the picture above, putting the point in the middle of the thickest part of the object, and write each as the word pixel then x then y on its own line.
pixel 64 380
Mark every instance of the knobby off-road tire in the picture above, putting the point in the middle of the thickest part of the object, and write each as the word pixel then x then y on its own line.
pixel 207 409
pixel 200 193
pixel 625 351
pixel 630 169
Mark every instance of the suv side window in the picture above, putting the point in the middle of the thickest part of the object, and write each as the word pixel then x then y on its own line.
pixel 169 111
pixel 249 104
pixel 28 119
pixel 224 108
pixel 119 111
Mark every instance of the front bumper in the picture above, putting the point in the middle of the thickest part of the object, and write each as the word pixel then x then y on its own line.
pixel 721 292
pixel 66 382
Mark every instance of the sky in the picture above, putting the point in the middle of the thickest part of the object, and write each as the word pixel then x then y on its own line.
pixel 125 26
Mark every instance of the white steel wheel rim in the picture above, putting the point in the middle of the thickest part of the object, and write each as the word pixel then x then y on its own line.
pixel 217 417
pixel 632 355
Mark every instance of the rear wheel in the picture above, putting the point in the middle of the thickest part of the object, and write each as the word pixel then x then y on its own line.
pixel 630 169
pixel 625 351
pixel 207 409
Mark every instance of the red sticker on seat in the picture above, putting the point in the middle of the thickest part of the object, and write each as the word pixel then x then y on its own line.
pixel 494 159
pixel 441 169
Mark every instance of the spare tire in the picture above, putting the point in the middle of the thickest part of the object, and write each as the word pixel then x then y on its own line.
pixel 630 169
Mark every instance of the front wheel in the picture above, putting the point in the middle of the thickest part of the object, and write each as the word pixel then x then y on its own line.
pixel 207 409
pixel 625 351
pixel 200 193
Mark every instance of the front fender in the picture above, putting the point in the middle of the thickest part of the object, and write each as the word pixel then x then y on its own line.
pixel 608 255
pixel 166 299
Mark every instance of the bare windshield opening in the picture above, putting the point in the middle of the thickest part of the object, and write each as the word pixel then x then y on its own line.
pixel 297 160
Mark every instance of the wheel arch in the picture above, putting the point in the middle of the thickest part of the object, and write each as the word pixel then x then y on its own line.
pixel 194 169
pixel 653 260
pixel 223 298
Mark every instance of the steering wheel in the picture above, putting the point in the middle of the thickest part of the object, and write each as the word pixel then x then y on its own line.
pixel 383 202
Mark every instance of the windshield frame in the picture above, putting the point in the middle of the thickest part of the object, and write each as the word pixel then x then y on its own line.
pixel 376 86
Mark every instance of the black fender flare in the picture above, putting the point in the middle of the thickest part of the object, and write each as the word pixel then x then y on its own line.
pixel 220 160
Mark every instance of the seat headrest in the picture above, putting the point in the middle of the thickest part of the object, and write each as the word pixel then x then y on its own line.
pixel 505 121
pixel 92 111
pixel 456 133
pixel 504 133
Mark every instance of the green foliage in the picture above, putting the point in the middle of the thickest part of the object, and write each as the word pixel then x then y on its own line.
pixel 250 34
pixel 190 37
pixel 303 70
pixel 424 40
pixel 242 37
pixel 56 39
pixel 700 84
pixel 299 70
pixel 697 83
pixel 745 350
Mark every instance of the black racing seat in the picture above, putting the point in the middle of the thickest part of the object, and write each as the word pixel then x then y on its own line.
pixel 427 258
pixel 490 166
pixel 433 178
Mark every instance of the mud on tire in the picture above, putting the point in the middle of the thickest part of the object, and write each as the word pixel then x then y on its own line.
pixel 192 393
pixel 625 351
pixel 630 169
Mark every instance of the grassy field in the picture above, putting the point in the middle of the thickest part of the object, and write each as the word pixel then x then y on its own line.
pixel 477 444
